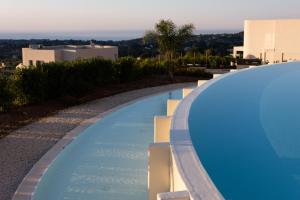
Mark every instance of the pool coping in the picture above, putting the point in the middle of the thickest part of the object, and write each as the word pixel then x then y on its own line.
pixel 28 186
pixel 192 172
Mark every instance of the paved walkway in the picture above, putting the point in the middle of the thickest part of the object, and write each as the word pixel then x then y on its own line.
pixel 20 150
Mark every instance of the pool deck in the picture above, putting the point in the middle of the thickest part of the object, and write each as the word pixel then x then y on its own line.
pixel 23 148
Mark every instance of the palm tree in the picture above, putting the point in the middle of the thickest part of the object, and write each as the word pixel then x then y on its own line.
pixel 170 39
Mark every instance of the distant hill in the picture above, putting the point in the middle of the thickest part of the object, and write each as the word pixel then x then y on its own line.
pixel 220 44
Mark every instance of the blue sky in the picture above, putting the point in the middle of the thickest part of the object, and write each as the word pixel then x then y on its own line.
pixel 86 15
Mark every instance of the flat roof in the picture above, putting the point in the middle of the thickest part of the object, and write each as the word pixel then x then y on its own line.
pixel 69 47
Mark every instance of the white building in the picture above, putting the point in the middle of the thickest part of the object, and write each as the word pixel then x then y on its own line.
pixel 36 54
pixel 272 41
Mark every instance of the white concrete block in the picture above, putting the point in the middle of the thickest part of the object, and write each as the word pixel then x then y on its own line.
pixel 177 183
pixel 180 195
pixel 217 75
pixel 162 126
pixel 201 82
pixel 158 169
pixel 186 92
pixel 171 106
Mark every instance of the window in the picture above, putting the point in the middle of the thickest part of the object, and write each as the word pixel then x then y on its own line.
pixel 30 62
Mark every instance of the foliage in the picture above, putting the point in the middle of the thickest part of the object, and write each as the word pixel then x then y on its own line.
pixel 170 39
pixel 6 96
pixel 193 72
pixel 152 66
pixel 74 79
pixel 28 85
pixel 204 60
pixel 127 69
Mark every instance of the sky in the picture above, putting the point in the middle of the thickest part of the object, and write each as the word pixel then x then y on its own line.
pixel 107 15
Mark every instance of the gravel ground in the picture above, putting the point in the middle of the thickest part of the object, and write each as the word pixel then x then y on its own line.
pixel 20 150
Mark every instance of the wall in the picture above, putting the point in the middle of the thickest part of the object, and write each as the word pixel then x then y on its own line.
pixel 56 54
pixel 269 39
pixel 236 51
pixel 106 53
pixel 68 55
pixel 288 39
pixel 38 55
pixel 158 169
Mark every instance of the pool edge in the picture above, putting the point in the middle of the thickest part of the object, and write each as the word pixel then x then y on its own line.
pixel 192 173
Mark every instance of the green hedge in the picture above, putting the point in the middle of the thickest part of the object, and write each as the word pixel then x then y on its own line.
pixel 77 78
pixel 6 96
pixel 209 61
pixel 150 67
pixel 193 72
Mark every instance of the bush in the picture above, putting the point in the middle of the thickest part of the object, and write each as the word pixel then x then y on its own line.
pixel 78 77
pixel 205 61
pixel 69 80
pixel 6 96
pixel 193 72
pixel 29 85
pixel 127 69
pixel 151 67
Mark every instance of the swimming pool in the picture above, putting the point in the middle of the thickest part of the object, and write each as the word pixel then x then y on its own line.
pixel 244 129
pixel 109 159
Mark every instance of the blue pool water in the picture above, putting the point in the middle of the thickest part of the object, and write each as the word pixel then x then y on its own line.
pixel 246 132
pixel 109 159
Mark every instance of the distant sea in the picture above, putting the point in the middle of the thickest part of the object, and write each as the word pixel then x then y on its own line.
pixel 92 35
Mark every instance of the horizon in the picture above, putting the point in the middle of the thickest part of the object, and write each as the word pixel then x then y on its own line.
pixel 115 35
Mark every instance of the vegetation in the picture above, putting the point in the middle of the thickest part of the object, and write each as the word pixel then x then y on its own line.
pixel 170 39
pixel 219 44
pixel 6 96
pixel 74 79
pixel 206 59
pixel 169 49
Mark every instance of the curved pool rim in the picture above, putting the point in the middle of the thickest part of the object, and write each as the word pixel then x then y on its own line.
pixel 193 174
pixel 28 185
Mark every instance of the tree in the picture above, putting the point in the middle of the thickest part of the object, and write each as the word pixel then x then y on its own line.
pixel 170 39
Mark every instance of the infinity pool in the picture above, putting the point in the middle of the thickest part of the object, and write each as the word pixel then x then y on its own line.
pixel 246 131
pixel 109 159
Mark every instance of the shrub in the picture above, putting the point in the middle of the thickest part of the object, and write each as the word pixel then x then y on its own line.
pixel 6 96
pixel 55 75
pixel 151 67
pixel 193 72
pixel 29 85
pixel 78 77
pixel 68 80
pixel 127 69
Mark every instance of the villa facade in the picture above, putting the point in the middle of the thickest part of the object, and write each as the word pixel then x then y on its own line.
pixel 37 54
pixel 272 41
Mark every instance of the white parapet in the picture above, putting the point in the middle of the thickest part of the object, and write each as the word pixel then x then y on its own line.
pixel 177 183
pixel 186 92
pixel 171 106
pixel 181 195
pixel 162 125
pixel 233 70
pixel 201 82
pixel 158 169
pixel 217 75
